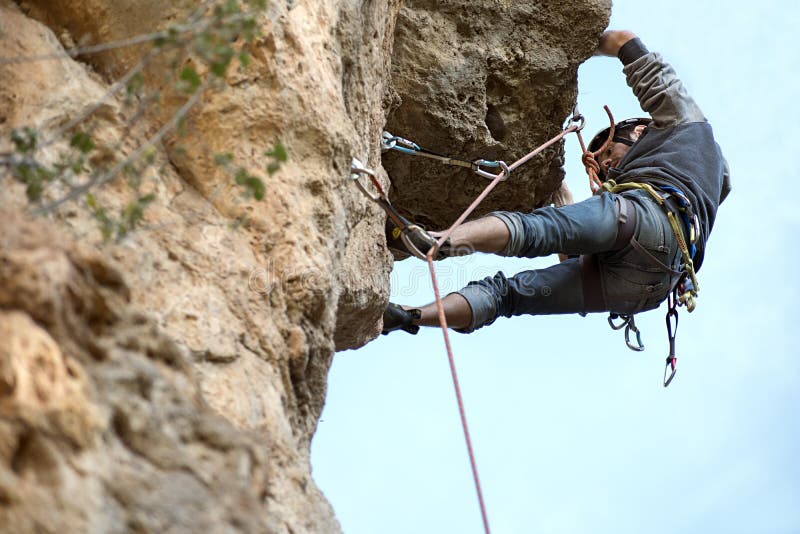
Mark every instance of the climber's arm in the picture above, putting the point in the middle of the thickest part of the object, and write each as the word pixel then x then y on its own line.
pixel 653 80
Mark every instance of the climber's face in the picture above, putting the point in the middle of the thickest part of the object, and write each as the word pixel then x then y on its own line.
pixel 614 152
pixel 612 155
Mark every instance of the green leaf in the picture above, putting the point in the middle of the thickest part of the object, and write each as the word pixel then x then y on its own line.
pixel 273 167
pixel 34 191
pixel 218 68
pixel 257 188
pixel 244 58
pixel 253 186
pixel 190 77
pixel 240 177
pixel 25 140
pixel 135 83
pixel 223 159
pixel 83 142
pixel 278 153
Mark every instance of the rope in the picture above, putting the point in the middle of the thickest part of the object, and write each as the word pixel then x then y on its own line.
pixel 440 307
pixel 589 159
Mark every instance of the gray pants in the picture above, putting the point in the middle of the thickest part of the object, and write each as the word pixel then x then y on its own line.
pixel 630 285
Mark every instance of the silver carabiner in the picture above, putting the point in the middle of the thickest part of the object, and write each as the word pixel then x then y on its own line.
pixel 576 118
pixel 357 169
pixel 669 374
pixel 620 326
pixel 631 327
pixel 388 141
pixel 412 248
pixel 504 172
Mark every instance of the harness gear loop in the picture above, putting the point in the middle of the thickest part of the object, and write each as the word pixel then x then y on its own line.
pixel 406 228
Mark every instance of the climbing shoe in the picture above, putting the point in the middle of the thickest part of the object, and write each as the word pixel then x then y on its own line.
pixel 419 237
pixel 397 318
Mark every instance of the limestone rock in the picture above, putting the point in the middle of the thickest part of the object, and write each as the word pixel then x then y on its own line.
pixel 484 80
pixel 102 427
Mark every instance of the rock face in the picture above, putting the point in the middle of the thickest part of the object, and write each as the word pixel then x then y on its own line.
pixel 484 80
pixel 173 379
pixel 102 427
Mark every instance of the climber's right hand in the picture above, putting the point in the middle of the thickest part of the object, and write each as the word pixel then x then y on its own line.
pixel 612 40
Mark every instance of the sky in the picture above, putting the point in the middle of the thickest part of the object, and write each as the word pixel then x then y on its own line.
pixel 573 432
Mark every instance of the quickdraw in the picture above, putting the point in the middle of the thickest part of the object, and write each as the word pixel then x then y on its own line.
pixel 400 144
pixel 406 228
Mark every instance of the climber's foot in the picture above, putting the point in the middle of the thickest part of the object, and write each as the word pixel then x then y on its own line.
pixel 395 317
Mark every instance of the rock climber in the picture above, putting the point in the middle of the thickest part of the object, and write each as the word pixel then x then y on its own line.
pixel 629 255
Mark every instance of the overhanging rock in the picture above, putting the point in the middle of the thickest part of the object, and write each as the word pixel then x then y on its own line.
pixel 489 80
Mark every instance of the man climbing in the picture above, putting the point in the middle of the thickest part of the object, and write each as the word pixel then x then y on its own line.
pixel 630 253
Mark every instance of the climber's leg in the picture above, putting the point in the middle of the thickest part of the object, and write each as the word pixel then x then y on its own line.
pixel 587 227
pixel 554 290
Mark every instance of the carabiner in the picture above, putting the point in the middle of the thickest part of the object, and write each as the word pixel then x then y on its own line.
pixel 412 248
pixel 486 163
pixel 505 172
pixel 672 331
pixel 631 327
pixel 671 363
pixel 388 141
pixel 356 170
pixel 576 118
pixel 613 316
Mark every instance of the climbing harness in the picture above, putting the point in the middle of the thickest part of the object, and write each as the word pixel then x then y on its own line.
pixel 406 229
pixel 688 219
pixel 393 142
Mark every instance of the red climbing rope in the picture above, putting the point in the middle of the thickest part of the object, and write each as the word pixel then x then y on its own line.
pixel 440 308
pixel 589 159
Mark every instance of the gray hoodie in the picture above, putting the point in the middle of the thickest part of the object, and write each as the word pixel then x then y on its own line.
pixel 678 147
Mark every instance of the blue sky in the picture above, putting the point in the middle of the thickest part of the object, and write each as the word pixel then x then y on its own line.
pixel 573 433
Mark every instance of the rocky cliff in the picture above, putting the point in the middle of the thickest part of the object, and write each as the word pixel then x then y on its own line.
pixel 171 380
